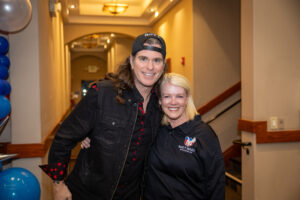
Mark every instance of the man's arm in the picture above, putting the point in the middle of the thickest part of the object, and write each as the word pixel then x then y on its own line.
pixel 77 126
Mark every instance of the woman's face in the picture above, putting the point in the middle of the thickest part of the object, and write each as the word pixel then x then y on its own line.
pixel 173 102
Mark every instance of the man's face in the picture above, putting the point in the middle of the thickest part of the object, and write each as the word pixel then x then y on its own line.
pixel 147 67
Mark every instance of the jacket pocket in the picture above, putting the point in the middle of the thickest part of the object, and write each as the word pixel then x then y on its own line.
pixel 109 133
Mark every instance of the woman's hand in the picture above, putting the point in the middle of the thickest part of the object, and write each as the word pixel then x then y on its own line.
pixel 86 143
pixel 61 191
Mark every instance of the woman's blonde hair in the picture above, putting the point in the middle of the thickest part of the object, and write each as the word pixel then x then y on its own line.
pixel 181 81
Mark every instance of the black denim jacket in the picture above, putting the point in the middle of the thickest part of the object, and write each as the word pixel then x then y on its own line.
pixel 110 126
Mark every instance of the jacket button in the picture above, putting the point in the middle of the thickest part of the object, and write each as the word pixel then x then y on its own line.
pixel 129 100
pixel 113 123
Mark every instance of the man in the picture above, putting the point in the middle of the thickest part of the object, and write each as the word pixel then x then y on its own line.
pixel 121 117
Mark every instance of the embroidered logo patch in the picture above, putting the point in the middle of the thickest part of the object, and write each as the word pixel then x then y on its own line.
pixel 189 141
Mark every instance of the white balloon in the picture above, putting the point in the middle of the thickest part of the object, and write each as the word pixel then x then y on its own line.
pixel 14 14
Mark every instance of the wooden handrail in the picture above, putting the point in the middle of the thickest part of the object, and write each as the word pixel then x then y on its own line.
pixel 35 149
pixel 264 136
pixel 220 98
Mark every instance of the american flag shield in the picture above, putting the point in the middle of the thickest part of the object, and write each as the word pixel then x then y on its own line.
pixel 189 141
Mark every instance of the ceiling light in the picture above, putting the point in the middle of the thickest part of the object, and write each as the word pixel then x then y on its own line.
pixel 115 8
pixel 108 41
pixel 72 6
pixel 152 10
pixel 156 14
pixel 112 35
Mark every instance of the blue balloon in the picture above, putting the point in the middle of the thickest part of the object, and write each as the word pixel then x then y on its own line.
pixel 19 184
pixel 4 45
pixel 4 60
pixel 4 87
pixel 4 110
pixel 3 72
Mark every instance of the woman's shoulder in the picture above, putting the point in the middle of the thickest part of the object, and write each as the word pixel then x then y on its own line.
pixel 203 130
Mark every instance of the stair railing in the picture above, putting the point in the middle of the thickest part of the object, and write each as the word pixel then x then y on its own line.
pixel 223 111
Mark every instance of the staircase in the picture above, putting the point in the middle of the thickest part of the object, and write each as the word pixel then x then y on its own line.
pixel 234 179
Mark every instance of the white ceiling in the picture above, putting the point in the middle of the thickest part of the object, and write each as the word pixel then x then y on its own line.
pixel 139 12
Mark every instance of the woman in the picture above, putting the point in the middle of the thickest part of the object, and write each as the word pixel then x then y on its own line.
pixel 186 160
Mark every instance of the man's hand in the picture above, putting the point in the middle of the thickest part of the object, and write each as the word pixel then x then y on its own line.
pixel 61 191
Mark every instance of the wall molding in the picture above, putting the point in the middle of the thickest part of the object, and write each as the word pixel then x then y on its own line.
pixel 264 136
pixel 35 149
pixel 220 98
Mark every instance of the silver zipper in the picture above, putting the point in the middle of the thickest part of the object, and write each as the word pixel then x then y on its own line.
pixel 126 155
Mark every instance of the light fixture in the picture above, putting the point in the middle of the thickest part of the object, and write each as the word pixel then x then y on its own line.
pixel 115 8
pixel 156 14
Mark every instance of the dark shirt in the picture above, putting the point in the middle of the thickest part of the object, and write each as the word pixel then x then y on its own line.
pixel 186 163
pixel 130 181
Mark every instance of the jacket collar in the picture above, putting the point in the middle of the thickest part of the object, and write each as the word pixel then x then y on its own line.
pixel 132 95
pixel 186 127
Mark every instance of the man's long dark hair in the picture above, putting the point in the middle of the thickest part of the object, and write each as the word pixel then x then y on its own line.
pixel 124 78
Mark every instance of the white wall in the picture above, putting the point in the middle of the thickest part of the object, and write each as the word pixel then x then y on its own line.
pixel 270 87
pixel 277 171
pixel 277 61
pixel 25 82
pixel 216 47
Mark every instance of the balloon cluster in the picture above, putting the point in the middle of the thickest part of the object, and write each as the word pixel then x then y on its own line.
pixel 4 84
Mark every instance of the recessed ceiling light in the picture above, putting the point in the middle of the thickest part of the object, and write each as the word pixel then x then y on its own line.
pixel 108 41
pixel 152 10
pixel 156 14
pixel 72 6
pixel 112 35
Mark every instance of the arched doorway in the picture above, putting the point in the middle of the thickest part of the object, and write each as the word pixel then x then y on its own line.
pixel 94 55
